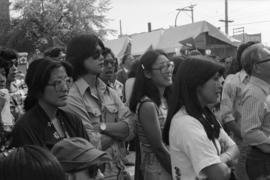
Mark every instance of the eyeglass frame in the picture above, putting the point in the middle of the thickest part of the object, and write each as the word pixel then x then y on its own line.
pixel 263 61
pixel 168 65
pixel 54 83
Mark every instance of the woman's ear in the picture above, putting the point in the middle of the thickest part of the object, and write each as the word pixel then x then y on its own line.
pixel 147 74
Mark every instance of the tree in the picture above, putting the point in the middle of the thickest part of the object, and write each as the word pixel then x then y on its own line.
pixel 42 21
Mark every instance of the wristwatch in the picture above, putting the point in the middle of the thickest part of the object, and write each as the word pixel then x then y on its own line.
pixel 102 127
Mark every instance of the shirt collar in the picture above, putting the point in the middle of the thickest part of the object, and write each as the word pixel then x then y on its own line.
pixel 260 83
pixel 82 85
pixel 243 76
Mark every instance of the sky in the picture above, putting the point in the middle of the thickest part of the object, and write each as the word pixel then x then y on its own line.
pixel 253 15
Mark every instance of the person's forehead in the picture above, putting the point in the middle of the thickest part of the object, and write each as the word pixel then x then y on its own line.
pixel 161 59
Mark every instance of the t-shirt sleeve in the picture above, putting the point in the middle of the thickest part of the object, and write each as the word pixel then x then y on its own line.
pixel 196 145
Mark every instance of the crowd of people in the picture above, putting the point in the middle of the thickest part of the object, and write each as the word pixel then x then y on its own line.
pixel 187 117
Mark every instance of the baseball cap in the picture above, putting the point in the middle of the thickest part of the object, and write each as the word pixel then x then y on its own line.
pixel 255 53
pixel 76 153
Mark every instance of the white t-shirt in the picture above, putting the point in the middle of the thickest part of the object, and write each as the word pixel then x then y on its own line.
pixel 190 149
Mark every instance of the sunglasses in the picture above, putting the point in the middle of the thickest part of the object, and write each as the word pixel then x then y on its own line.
pixel 97 54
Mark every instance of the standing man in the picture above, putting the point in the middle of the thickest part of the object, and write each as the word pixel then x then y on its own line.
pixel 230 109
pixel 255 121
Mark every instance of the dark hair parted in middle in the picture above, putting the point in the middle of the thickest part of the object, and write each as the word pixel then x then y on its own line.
pixel 79 49
pixel 38 76
pixel 144 86
pixel 194 72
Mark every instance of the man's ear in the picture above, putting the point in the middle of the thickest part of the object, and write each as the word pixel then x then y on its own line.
pixel 147 74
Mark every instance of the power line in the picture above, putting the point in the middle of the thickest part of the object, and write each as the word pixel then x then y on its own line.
pixel 255 22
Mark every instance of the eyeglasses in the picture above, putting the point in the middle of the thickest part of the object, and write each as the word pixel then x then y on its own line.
pixel 58 84
pixel 111 62
pixel 264 61
pixel 165 67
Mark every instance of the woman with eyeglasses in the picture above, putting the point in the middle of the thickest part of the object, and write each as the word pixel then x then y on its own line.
pixel 108 122
pixel 149 102
pixel 199 146
pixel 44 124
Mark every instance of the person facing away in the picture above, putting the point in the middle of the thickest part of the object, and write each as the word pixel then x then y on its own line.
pixel 255 126
pixel 30 162
pixel 107 120
pixel 44 123
pixel 199 146
pixel 230 108
pixel 149 102
pixel 80 159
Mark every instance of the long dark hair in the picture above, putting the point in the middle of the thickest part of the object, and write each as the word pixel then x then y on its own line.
pixel 30 163
pixel 193 72
pixel 144 86
pixel 38 76
pixel 79 49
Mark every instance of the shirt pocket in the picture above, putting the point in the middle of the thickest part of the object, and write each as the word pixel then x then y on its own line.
pixel 110 113
pixel 94 114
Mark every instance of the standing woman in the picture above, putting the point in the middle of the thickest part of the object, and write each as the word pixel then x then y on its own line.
pixel 107 120
pixel 44 124
pixel 199 146
pixel 149 101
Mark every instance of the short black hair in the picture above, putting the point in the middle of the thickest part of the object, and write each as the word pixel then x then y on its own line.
pixel 8 54
pixel 53 52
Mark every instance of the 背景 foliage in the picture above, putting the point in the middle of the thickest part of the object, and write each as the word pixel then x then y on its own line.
pixel 41 23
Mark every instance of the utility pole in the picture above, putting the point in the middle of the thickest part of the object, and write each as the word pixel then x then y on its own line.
pixel 188 8
pixel 226 21
pixel 120 24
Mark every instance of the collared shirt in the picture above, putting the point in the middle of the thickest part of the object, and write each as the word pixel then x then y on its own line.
pixel 101 104
pixel 255 124
pixel 230 106
pixel 95 105
pixel 118 87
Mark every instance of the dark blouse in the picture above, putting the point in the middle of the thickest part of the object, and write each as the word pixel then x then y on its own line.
pixel 35 128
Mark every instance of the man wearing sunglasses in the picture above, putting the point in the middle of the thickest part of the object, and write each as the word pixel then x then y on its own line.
pixel 255 121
